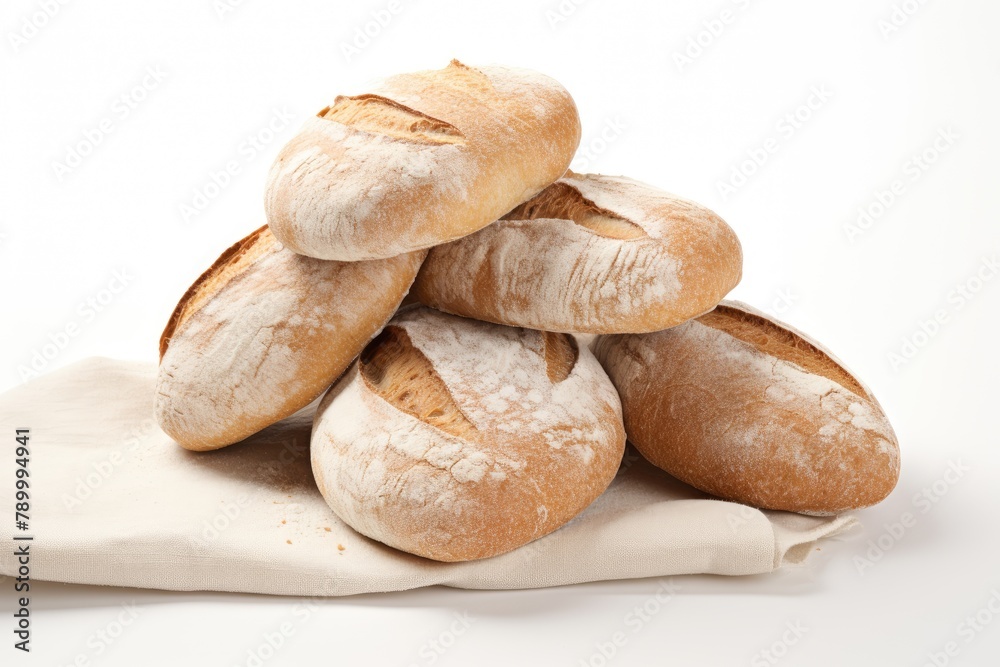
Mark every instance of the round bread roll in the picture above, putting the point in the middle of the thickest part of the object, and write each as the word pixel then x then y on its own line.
pixel 425 158
pixel 590 254
pixel 455 439
pixel 263 332
pixel 748 409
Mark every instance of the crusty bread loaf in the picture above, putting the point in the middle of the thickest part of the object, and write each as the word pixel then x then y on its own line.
pixel 748 409
pixel 425 158
pixel 455 439
pixel 263 332
pixel 590 254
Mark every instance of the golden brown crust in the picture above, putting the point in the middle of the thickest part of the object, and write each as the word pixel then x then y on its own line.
pixel 561 353
pixel 590 254
pixel 782 343
pixel 400 373
pixel 380 115
pixel 745 408
pixel 263 332
pixel 455 439
pixel 229 263
pixel 561 201
pixel 425 158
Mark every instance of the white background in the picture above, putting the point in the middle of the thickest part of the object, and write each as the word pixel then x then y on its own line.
pixel 683 128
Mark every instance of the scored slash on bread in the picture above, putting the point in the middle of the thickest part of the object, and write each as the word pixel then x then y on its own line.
pixel 401 374
pixel 380 115
pixel 562 201
pixel 748 409
pixel 589 254
pixel 425 158
pixel 456 439
pixel 263 332
pixel 231 263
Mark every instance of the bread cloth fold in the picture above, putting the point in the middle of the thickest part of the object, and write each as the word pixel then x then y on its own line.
pixel 115 502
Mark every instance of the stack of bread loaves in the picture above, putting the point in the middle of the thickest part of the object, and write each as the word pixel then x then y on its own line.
pixel 470 422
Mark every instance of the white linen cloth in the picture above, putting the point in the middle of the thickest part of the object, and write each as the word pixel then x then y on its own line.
pixel 115 501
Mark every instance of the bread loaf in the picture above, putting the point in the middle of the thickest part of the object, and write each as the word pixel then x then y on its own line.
pixel 424 158
pixel 263 332
pixel 590 254
pixel 455 439
pixel 746 408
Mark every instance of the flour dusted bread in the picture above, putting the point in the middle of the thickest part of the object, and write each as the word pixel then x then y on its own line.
pixel 263 332
pixel 745 408
pixel 590 254
pixel 424 158
pixel 455 439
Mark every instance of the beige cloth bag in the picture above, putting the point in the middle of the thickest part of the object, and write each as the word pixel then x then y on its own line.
pixel 114 501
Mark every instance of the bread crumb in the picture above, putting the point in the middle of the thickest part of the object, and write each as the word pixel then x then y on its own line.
pixel 326 528
pixel 288 541
pixel 340 547
pixel 283 521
